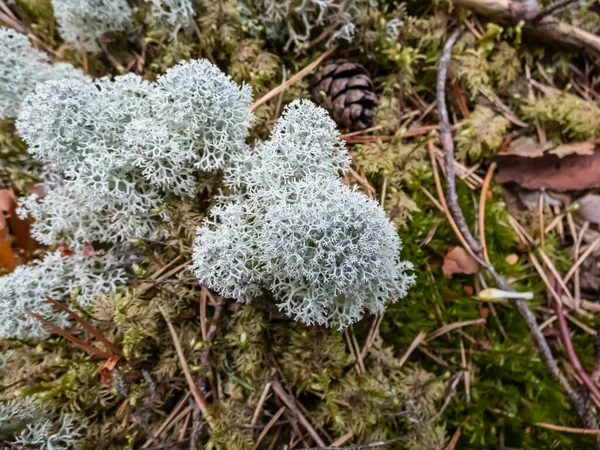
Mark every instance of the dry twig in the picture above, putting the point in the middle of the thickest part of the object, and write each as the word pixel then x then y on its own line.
pixel 283 86
pixel 200 401
pixel 547 29
pixel 580 403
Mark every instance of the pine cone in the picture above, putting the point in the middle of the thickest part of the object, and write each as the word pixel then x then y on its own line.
pixel 345 90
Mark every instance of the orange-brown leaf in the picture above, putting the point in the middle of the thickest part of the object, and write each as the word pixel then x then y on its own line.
pixel 459 261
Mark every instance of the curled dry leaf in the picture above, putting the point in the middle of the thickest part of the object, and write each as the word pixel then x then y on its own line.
pixel 576 148
pixel 573 172
pixel 459 261
pixel 589 208
pixel 527 147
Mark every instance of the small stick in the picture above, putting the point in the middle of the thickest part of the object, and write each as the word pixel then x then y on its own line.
pixel 200 401
pixel 362 181
pixel 87 326
pixel 78 343
pixel 203 300
pixel 342 439
pixel 351 349
pixel 290 403
pixel 269 425
pixel 357 351
pixel 581 259
pixel 453 326
pixel 551 426
pixel 117 65
pixel 482 199
pixel 452 444
pixel 556 275
pixel 383 191
pixel 282 87
pixel 551 9
pixel 184 426
pixel 411 348
pixel 542 227
pixel 445 134
pixel 566 337
pixel 438 185
pixel 261 402
pixel 466 373
pixel 167 421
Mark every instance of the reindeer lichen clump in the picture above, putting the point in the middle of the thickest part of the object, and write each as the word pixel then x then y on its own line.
pixel 291 229
pixel 22 68
pixel 83 22
pixel 127 145
pixel 124 147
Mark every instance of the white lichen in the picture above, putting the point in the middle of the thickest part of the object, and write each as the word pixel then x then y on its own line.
pixel 178 14
pixel 298 20
pixel 125 146
pixel 22 67
pixel 25 289
pixel 290 229
pixel 40 427
pixel 82 22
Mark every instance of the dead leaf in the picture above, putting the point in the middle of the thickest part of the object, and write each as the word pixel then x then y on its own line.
pixel 6 199
pixel 7 256
pixel 527 147
pixel 106 370
pixel 459 261
pixel 577 148
pixel 21 228
pixel 589 208
pixel 573 172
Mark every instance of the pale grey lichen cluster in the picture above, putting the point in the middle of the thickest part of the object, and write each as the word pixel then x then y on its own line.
pixel 126 145
pixel 298 19
pixel 82 22
pixel 286 228
pixel 22 67
pixel 177 14
pixel 25 289
pixel 42 428
pixel 291 229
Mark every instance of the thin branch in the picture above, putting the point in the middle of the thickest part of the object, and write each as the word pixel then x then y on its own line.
pixel 482 199
pixel 551 9
pixel 78 343
pixel 291 405
pixel 445 133
pixel 566 337
pixel 87 326
pixel 549 30
pixel 202 404
pixel 581 404
pixel 282 87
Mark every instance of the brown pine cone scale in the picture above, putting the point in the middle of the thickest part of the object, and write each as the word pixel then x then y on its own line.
pixel 345 90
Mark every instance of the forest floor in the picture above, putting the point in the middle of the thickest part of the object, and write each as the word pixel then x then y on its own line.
pixel 485 153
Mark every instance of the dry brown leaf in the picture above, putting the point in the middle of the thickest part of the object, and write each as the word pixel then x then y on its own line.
pixel 577 148
pixel 589 208
pixel 527 147
pixel 7 256
pixel 459 261
pixel 573 172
